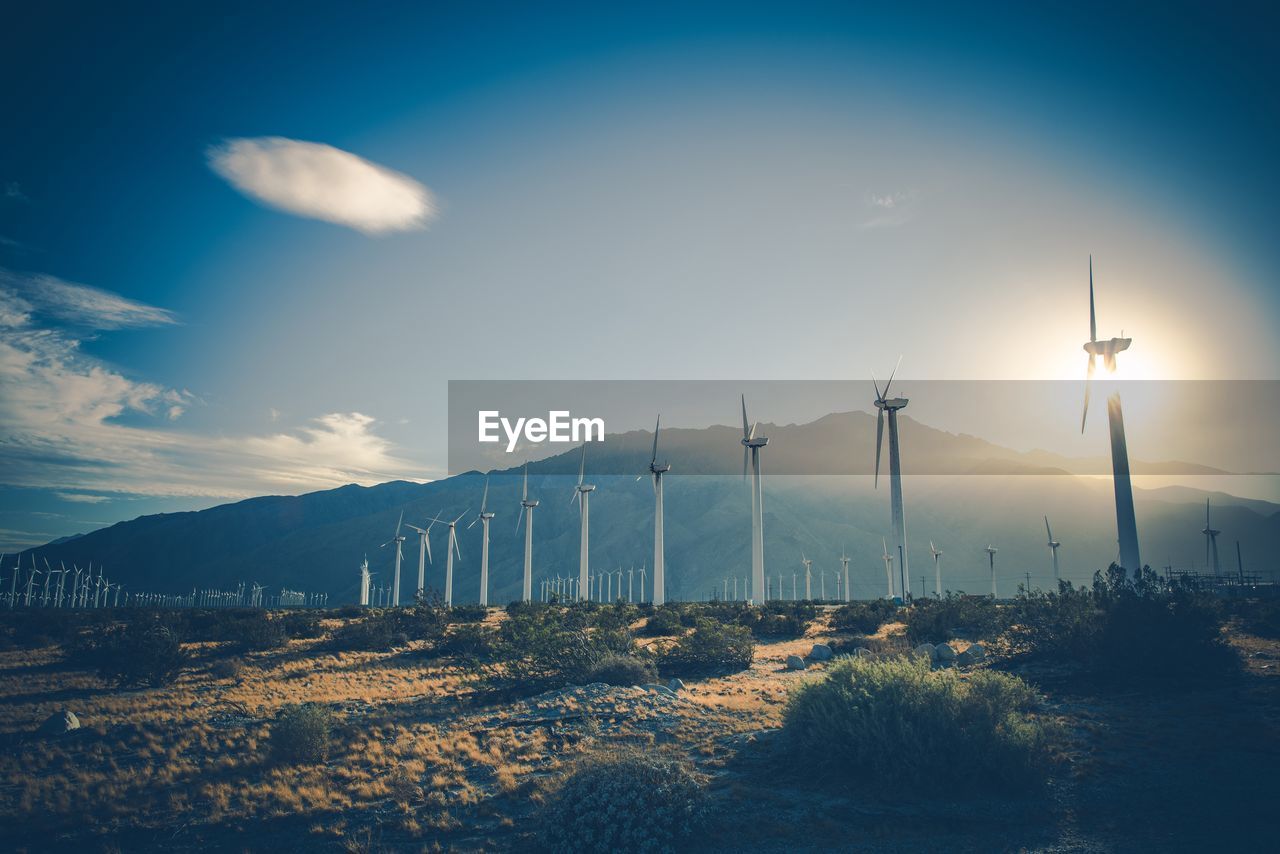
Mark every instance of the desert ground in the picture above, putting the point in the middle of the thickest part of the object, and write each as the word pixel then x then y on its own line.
pixel 422 757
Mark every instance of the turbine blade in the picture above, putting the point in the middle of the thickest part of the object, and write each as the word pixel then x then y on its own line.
pixel 1047 530
pixel 582 467
pixel 484 498
pixel 879 444
pixel 426 541
pixel 519 519
pixel 654 460
pixel 524 495
pixel 460 515
pixel 399 523
pixel 473 521
pixel 876 385
pixel 745 429
pixel 1088 386
pixel 753 430
pixel 891 376
pixel 1093 319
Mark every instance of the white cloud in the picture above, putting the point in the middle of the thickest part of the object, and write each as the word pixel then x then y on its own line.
pixel 82 497
pixel 322 182
pixel 888 210
pixel 81 305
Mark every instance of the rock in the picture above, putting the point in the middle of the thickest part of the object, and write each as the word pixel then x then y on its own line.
pixel 676 685
pixel 926 650
pixel 659 689
pixel 862 652
pixel 945 652
pixel 965 658
pixel 59 723
pixel 978 651
pixel 795 662
pixel 821 652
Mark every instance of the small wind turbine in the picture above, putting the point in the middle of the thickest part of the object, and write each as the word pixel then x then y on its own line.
pixel 937 570
pixel 884 404
pixel 808 577
pixel 424 555
pixel 527 506
pixel 1210 542
pixel 582 494
pixel 364 582
pixel 656 471
pixel 450 550
pixel 844 561
pixel 399 543
pixel 1053 550
pixel 751 444
pixel 483 518
pixel 888 566
pixel 991 556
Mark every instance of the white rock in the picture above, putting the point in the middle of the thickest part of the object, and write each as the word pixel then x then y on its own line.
pixel 59 723
pixel 926 650
pixel 821 652
pixel 795 662
pixel 676 685
pixel 659 689
pixel 977 651
pixel 945 651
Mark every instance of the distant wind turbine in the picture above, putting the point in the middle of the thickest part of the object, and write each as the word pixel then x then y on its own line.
pixel 884 404
pixel 450 550
pixel 808 577
pixel 399 543
pixel 1053 550
pixel 582 494
pixel 484 517
pixel 937 570
pixel 424 554
pixel 659 560
pixel 527 506
pixel 844 561
pixel 751 444
pixel 991 556
pixel 888 566
pixel 1210 542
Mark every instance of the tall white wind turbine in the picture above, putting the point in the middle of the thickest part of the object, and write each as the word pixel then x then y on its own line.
pixel 364 582
pixel 937 570
pixel 527 515
pixel 399 543
pixel 484 517
pixel 898 518
pixel 1126 523
pixel 1210 542
pixel 751 444
pixel 991 556
pixel 1053 550
pixel 450 550
pixel 582 494
pixel 656 471
pixel 808 577
pixel 424 554
pixel 888 566
pixel 844 562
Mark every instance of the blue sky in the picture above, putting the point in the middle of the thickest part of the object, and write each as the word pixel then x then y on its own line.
pixel 640 192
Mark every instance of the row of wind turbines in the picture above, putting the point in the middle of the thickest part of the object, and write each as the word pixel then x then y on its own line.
pixel 758 588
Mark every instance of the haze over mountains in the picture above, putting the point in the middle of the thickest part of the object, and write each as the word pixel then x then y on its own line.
pixel 962 493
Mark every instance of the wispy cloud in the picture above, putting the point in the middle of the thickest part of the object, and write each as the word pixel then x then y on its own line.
pixel 322 182
pixel 13 192
pixel 82 497
pixel 51 298
pixel 888 210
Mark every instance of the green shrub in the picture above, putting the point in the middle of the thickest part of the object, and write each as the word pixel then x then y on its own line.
pixel 864 618
pixel 779 619
pixel 133 654
pixel 624 802
pixel 939 620
pixel 896 722
pixel 300 734
pixel 380 631
pixel 469 640
pixel 226 668
pixel 664 622
pixel 468 613
pixel 620 670
pixel 712 648
pixel 302 625
pixel 541 649
pixel 258 632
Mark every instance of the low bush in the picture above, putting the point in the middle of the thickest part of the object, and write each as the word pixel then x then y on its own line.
pixel 664 622
pixel 469 641
pixel 620 670
pixel 1260 617
pixel 939 620
pixel 380 631
pixel 258 632
pixel 300 734
pixel 712 648
pixel 226 668
pixel 541 649
pixel 302 625
pixel 896 722
pixel 779 619
pixel 624 802
pixel 468 613
pixel 132 654
pixel 864 618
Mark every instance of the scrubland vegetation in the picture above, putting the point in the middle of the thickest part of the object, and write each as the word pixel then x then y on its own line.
pixel 553 727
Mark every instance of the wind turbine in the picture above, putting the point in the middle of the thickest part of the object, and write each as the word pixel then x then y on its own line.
pixel 937 570
pixel 399 541
pixel 582 494
pixel 1053 550
pixel 483 518
pixel 752 444
pixel 1126 523
pixel 1210 541
pixel 844 561
pixel 808 577
pixel 884 404
pixel 527 516
pixel 991 556
pixel 643 579
pixel 424 554
pixel 450 550
pixel 659 561
pixel 888 566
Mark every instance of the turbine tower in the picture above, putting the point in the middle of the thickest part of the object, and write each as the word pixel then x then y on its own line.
pixel 527 516
pixel 937 570
pixel 1053 550
pixel 884 404
pixel 399 541
pixel 808 577
pixel 450 550
pixel 844 561
pixel 991 556
pixel 752 444
pixel 364 582
pixel 1210 542
pixel 659 560
pixel 424 555
pixel 582 494
pixel 483 518
pixel 1126 524
pixel 888 566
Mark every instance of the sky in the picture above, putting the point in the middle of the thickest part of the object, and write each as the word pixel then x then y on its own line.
pixel 243 249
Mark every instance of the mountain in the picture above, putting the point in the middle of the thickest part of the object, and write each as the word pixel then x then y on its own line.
pixel 965 493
